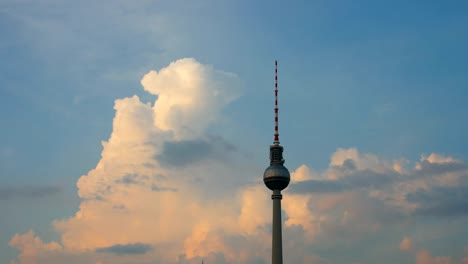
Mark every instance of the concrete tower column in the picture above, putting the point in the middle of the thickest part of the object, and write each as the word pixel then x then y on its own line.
pixel 277 242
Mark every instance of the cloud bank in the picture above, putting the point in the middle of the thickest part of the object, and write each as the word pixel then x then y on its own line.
pixel 167 191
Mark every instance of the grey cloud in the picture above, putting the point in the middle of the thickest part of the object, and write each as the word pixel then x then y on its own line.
pixel 438 201
pixel 212 257
pixel 317 186
pixel 348 165
pixel 156 188
pixel 7 193
pixel 430 169
pixel 132 179
pixel 119 207
pixel 182 153
pixel 441 201
pixel 128 249
pixel 370 179
pixel 355 180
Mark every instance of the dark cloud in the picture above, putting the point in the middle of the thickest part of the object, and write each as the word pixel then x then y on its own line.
pixel 348 165
pixel 132 179
pixel 120 207
pixel 7 193
pixel 317 186
pixel 128 249
pixel 182 153
pixel 354 180
pixel 212 257
pixel 370 179
pixel 156 188
pixel 430 169
pixel 441 201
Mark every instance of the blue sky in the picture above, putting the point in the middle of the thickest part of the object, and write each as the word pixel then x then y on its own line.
pixel 386 79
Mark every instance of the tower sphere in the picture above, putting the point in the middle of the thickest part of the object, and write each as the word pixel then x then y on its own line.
pixel 276 177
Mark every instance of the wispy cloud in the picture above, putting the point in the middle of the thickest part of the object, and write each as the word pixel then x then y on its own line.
pixel 28 191
pixel 128 249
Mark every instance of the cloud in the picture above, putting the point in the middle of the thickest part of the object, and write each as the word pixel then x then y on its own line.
pixel 441 201
pixel 185 152
pixel 355 180
pixel 32 246
pixel 190 96
pixel 439 159
pixel 128 249
pixel 405 244
pixel 7 193
pixel 132 179
pixel 146 138
pixel 151 186
pixel 434 167
pixel 304 173
pixel 156 188
pixel 425 257
pixel 348 170
pixel 352 159
pixel 354 204
pixel 167 191
pixel 318 186
pixel 437 185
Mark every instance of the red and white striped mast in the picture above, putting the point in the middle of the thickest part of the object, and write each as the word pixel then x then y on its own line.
pixel 276 141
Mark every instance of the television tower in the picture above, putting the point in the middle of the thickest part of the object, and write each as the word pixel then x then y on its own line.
pixel 276 178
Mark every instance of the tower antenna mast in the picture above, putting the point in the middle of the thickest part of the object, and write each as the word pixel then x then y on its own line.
pixel 276 140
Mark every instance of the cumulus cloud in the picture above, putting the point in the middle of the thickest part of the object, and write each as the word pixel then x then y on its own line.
pixel 164 190
pixel 352 159
pixel 436 185
pixel 31 246
pixel 190 96
pixel 360 196
pixel 150 187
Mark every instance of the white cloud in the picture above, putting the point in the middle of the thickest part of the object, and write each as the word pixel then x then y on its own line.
pixel 190 96
pixel 131 199
pixel 436 158
pixel 31 246
pixel 303 173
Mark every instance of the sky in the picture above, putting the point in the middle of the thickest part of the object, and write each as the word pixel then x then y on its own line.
pixel 139 131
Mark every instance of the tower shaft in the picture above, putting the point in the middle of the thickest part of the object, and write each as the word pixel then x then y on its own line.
pixel 277 242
